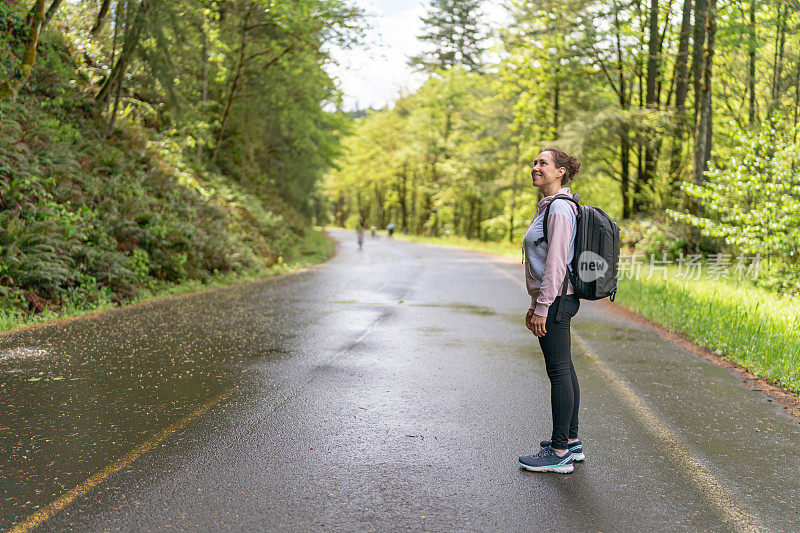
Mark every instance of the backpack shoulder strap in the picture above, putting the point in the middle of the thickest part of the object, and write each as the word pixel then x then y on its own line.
pixel 563 294
pixel 574 198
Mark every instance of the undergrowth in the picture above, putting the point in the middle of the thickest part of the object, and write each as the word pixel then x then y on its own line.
pixel 89 220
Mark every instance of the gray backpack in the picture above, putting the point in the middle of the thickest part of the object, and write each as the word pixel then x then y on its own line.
pixel 593 270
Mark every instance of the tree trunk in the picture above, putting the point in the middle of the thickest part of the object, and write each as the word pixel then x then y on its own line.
pixel 624 134
pixel 131 41
pixel 681 92
pixel 700 8
pixel 379 205
pixel 467 226
pixel 625 172
pixel 478 212
pixel 204 87
pixel 10 88
pixel 97 27
pixel 653 64
pixel 556 105
pixel 119 23
pixel 114 109
pixel 458 225
pixel 51 11
pixel 403 200
pixel 661 38
pixel 777 69
pixel 702 149
pixel 639 204
pixel 414 209
pixel 512 208
pixel 751 66
pixel 114 40
pixel 652 146
pixel 513 204
pixel 341 210
pixel 234 86
pixel 425 214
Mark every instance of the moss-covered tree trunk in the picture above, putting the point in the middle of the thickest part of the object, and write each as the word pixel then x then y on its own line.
pixel 10 88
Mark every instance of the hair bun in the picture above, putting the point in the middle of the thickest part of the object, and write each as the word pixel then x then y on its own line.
pixel 567 161
pixel 574 167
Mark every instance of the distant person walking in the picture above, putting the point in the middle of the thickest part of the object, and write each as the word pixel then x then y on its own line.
pixel 546 263
pixel 360 232
pixel 390 229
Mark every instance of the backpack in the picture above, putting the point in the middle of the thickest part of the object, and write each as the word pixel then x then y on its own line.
pixel 594 265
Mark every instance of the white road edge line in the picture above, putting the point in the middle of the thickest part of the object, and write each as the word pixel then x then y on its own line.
pixel 713 490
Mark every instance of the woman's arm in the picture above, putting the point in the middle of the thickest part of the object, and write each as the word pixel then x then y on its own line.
pixel 559 233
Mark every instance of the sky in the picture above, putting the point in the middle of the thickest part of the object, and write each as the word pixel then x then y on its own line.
pixel 376 73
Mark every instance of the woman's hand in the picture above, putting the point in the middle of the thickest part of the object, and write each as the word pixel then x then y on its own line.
pixel 535 323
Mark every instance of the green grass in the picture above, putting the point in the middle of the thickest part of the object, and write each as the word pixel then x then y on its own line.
pixel 748 325
pixel 745 324
pixel 314 248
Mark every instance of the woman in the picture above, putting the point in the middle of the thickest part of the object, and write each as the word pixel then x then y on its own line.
pixel 545 269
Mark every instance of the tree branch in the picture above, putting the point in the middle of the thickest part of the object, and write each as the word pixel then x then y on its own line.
pixel 237 83
pixel 597 59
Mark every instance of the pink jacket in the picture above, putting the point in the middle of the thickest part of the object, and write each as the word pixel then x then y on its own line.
pixel 559 234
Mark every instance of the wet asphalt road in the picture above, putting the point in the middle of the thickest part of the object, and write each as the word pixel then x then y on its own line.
pixel 390 389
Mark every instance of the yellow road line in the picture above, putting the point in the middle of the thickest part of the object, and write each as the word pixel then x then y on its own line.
pixel 713 490
pixel 67 498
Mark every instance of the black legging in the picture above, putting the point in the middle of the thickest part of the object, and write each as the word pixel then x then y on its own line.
pixel 564 391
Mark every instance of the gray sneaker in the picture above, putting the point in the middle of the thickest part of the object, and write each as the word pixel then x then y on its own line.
pixel 575 448
pixel 547 461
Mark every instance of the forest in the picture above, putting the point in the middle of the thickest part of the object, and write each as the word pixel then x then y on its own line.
pixel 146 143
pixel 684 115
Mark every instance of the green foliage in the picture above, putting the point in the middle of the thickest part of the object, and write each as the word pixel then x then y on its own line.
pixel 662 237
pixel 88 220
pixel 452 158
pixel 752 202
pixel 100 204
pixel 139 264
pixel 443 161
pixel 10 41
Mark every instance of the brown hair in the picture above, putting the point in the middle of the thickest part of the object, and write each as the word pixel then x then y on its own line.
pixel 560 159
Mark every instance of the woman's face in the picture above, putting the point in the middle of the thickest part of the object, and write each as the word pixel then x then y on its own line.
pixel 544 171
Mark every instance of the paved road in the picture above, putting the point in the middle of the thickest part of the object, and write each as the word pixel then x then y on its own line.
pixel 390 389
